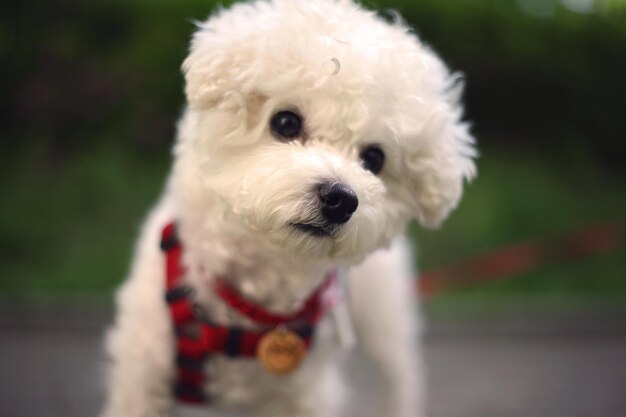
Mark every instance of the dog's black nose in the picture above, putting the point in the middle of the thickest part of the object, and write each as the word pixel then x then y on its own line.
pixel 338 202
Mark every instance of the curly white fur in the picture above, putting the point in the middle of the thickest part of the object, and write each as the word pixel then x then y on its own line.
pixel 236 190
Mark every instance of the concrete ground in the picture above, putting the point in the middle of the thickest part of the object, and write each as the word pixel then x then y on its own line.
pixel 480 365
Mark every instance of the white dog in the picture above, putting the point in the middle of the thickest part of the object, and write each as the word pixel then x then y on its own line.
pixel 314 132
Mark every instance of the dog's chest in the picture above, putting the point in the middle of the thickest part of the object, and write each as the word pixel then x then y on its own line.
pixel 221 330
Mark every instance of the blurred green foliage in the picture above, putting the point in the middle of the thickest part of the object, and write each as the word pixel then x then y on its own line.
pixel 92 90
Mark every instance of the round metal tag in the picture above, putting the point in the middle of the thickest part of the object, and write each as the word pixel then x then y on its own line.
pixel 280 351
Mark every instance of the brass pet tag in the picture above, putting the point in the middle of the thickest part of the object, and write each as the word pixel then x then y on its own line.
pixel 281 350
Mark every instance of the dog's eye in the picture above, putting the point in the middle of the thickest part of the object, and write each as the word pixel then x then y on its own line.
pixel 373 158
pixel 286 124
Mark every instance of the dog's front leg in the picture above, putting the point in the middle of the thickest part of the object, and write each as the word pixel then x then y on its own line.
pixel 316 392
pixel 382 301
pixel 140 345
pixel 139 380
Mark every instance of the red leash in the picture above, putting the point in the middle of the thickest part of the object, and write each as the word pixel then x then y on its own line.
pixel 524 257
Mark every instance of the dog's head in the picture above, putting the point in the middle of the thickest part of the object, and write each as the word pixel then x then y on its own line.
pixel 320 126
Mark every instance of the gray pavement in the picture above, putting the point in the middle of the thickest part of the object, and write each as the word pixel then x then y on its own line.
pixel 535 364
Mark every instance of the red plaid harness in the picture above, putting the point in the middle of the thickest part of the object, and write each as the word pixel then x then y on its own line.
pixel 197 339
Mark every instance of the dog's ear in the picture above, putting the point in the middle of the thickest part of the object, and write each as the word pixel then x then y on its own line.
pixel 444 159
pixel 215 68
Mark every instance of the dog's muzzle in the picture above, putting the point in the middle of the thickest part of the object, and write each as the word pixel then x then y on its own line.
pixel 337 204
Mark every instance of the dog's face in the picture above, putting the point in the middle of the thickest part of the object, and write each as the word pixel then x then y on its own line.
pixel 320 127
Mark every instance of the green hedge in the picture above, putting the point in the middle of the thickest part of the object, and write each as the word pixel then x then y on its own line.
pixel 92 90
